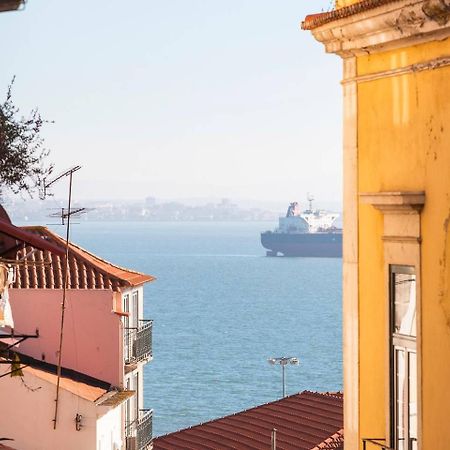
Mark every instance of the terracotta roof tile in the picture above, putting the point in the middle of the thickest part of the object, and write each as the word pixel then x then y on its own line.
pixel 80 384
pixel 316 20
pixel 45 269
pixel 83 390
pixel 304 421
pixel 114 398
pixel 11 236
pixel 10 5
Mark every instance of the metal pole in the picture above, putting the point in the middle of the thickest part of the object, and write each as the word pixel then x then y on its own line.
pixel 274 439
pixel 63 303
pixel 283 362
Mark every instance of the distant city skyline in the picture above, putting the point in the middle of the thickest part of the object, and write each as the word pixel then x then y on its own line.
pixel 272 205
pixel 180 99
pixel 152 209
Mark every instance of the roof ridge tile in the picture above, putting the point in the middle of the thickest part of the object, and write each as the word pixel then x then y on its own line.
pixel 313 21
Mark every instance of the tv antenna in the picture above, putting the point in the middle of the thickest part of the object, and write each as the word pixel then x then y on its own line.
pixel 65 216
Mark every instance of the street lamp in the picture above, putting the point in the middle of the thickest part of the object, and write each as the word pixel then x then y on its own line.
pixel 283 361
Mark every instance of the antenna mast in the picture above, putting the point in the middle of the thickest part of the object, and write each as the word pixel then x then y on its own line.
pixel 65 215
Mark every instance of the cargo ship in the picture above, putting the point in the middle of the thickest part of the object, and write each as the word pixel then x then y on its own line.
pixel 308 233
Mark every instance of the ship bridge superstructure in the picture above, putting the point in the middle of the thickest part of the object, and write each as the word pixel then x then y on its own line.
pixel 319 220
pixel 308 221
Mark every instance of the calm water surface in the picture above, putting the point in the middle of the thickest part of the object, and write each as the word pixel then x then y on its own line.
pixel 221 308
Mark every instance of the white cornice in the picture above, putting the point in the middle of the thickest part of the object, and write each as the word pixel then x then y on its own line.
pixel 398 202
pixel 394 25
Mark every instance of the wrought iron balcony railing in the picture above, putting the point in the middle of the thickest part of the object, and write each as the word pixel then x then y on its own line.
pixel 138 342
pixel 375 443
pixel 139 433
pixel 411 443
pixel 144 429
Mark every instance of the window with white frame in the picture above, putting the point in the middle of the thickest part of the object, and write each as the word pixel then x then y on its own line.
pixel 403 357
pixel 135 302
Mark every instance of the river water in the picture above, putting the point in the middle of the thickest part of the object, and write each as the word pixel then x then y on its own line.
pixel 221 309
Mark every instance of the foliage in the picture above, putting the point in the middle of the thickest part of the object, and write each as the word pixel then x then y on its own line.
pixel 22 155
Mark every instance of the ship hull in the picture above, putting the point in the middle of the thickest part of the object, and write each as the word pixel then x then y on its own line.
pixel 320 245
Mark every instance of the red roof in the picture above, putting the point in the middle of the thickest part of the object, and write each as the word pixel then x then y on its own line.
pixel 84 386
pixel 10 5
pixel 45 269
pixel 81 389
pixel 12 236
pixel 316 20
pixel 305 421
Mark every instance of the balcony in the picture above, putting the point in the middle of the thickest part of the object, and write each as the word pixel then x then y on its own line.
pixel 138 342
pixel 379 444
pixel 371 443
pixel 138 434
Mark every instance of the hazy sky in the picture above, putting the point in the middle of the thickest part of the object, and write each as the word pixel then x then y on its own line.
pixel 180 98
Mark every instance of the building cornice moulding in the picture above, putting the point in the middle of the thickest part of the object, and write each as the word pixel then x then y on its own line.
pixel 431 64
pixel 395 202
pixel 401 215
pixel 394 25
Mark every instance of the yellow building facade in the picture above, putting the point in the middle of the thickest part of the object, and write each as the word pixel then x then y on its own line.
pixel 396 303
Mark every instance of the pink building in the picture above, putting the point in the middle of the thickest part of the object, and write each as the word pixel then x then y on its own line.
pixel 106 343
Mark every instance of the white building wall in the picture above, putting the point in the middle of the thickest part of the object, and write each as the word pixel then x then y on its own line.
pixel 134 380
pixel 109 429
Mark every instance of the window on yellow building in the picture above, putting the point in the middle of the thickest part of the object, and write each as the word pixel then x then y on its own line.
pixel 403 369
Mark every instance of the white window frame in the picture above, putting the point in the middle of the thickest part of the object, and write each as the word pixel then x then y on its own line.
pixel 401 343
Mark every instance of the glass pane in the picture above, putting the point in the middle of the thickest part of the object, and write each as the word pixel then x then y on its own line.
pixel 135 309
pixel 126 308
pixel 405 304
pixel 399 399
pixel 412 407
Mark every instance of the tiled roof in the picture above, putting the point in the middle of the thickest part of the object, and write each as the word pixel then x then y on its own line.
pixel 77 383
pixel 12 236
pixel 114 398
pixel 80 384
pixel 304 421
pixel 45 269
pixel 80 389
pixel 316 20
pixel 10 5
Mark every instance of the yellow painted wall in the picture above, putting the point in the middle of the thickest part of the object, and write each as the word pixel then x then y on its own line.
pixel 404 145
